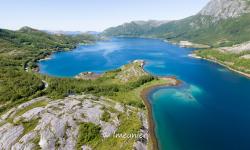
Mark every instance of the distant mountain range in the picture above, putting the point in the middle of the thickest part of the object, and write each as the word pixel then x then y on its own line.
pixel 71 32
pixel 134 28
pixel 224 9
pixel 219 23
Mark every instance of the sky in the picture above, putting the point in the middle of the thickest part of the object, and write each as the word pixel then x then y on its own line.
pixel 91 15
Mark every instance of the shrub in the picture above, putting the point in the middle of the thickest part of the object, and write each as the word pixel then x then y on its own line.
pixel 88 133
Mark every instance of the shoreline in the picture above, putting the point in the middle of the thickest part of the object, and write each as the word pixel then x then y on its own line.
pixel 222 64
pixel 144 95
pixel 193 45
pixel 49 56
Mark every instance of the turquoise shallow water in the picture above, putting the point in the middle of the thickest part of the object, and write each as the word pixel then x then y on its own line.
pixel 209 111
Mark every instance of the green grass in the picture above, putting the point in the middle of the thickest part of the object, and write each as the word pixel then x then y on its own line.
pixel 36 142
pixel 89 134
pixel 129 125
pixel 29 125
pixel 105 116
pixel 132 97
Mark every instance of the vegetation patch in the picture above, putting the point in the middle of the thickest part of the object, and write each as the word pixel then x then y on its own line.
pixel 232 60
pixel 36 142
pixel 105 116
pixel 17 84
pixel 133 97
pixel 129 125
pixel 89 134
pixel 19 53
pixel 29 125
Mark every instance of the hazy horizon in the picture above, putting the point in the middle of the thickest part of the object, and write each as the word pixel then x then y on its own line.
pixel 91 15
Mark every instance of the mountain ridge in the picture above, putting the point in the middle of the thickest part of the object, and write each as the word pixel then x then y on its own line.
pixel 219 23
pixel 134 28
pixel 224 9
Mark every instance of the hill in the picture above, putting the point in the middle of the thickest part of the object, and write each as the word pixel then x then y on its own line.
pixel 19 52
pixel 134 28
pixel 219 23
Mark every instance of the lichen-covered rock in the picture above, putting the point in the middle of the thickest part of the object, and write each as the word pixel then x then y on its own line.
pixel 85 147
pixel 141 143
pixel 247 56
pixel 21 146
pixel 9 134
pixel 132 71
pixel 57 123
pixel 108 129
pixel 239 48
pixel 6 115
pixel 11 113
pixel 31 114
pixel 88 76
pixel 47 139
pixel 25 142
pixel 119 107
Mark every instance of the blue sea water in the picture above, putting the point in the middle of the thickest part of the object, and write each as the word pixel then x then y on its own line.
pixel 210 110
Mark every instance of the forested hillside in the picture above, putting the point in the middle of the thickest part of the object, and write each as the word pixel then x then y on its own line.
pixel 19 52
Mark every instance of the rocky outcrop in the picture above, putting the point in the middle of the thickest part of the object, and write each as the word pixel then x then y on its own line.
pixel 132 71
pixel 245 56
pixel 9 134
pixel 84 147
pixel 25 142
pixel 87 76
pixel 237 48
pixel 152 23
pixel 141 143
pixel 57 123
pixel 12 111
pixel 188 44
pixel 223 9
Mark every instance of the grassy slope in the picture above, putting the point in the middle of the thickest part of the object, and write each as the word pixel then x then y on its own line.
pixel 222 33
pixel 231 60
